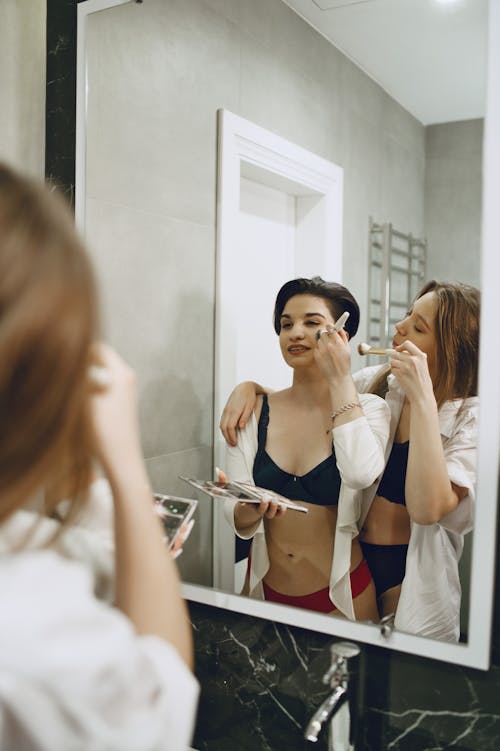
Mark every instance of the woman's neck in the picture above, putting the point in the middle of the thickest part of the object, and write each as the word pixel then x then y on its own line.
pixel 309 386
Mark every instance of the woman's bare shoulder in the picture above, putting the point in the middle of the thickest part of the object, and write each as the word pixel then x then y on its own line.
pixel 276 398
pixel 280 397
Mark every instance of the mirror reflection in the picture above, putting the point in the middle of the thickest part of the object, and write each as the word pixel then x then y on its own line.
pixel 150 213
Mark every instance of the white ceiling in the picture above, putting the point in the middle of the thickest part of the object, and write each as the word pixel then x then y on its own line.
pixel 429 55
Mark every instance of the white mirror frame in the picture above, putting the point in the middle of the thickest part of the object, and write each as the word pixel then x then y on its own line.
pixel 476 653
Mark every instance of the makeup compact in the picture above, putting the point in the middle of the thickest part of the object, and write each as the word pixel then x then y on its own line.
pixel 174 512
pixel 242 491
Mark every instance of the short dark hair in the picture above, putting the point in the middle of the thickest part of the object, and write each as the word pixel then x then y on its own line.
pixel 337 297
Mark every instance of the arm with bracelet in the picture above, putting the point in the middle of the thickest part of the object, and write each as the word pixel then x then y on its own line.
pixel 358 448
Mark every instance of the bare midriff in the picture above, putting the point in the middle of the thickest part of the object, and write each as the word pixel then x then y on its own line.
pixel 387 523
pixel 300 549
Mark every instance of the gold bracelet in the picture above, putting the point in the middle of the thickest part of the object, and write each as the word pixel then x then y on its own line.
pixel 345 408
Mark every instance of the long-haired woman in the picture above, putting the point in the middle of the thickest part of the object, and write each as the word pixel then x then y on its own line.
pixel 76 672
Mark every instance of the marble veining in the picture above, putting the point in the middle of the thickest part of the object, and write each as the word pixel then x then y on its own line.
pixel 256 683
pixel 62 42
pixel 61 96
pixel 463 723
pixel 261 682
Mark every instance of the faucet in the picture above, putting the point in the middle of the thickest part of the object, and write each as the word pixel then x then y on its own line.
pixel 335 709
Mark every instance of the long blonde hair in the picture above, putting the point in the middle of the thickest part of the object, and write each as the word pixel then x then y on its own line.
pixel 48 321
pixel 457 339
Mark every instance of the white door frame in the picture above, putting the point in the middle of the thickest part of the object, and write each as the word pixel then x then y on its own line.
pixel 247 150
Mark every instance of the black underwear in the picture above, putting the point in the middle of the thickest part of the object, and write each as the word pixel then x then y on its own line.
pixel 392 484
pixel 387 564
pixel 320 486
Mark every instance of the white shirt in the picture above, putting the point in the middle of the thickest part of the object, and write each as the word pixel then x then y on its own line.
pixel 359 450
pixel 429 604
pixel 74 675
pixel 90 540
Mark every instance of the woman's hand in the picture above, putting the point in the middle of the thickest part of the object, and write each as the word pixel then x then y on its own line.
pixel 333 355
pixel 147 582
pixel 114 410
pixel 249 514
pixel 238 410
pixel 410 367
pixel 181 538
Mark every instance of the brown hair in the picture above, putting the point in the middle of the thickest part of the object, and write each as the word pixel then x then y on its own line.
pixel 337 297
pixel 48 321
pixel 457 339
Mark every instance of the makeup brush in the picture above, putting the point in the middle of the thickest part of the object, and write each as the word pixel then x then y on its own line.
pixel 337 326
pixel 365 349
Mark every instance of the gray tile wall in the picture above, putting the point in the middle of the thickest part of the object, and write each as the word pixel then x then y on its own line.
pixel 22 85
pixel 453 191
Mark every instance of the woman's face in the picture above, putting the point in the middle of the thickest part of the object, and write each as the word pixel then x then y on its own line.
pixel 418 327
pixel 301 318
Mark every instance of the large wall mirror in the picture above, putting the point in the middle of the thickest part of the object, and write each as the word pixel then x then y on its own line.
pixel 151 78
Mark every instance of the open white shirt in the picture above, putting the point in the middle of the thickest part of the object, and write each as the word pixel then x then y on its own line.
pixel 429 604
pixel 74 675
pixel 359 451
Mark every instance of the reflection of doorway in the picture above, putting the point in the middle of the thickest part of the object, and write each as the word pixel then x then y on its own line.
pixel 279 217
pixel 266 250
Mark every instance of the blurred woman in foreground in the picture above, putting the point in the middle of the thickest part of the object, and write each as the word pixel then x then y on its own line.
pixel 75 672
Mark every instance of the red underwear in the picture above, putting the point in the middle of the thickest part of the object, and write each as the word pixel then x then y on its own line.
pixel 320 600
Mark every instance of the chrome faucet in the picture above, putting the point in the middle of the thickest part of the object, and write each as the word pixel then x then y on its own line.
pixel 336 707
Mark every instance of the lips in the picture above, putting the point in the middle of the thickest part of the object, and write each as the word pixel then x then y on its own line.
pixel 297 349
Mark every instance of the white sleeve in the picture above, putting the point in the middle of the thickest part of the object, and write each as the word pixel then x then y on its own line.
pixel 98 513
pixel 239 467
pixel 89 540
pixel 460 453
pixel 75 675
pixel 360 444
pixel 364 378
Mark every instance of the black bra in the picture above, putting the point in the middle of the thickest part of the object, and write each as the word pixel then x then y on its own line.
pixel 392 484
pixel 320 485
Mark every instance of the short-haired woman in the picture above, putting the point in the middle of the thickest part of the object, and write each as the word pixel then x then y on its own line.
pixel 316 442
